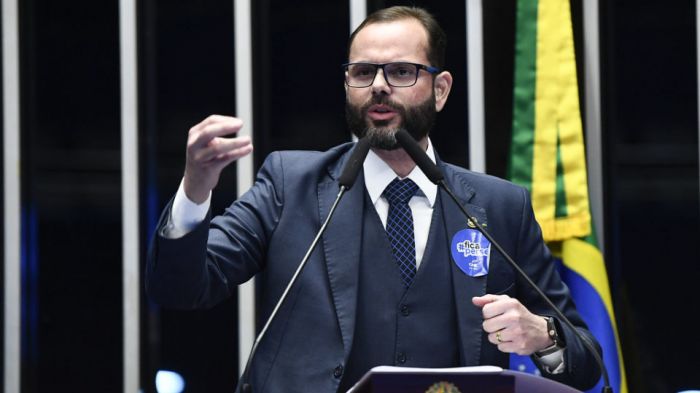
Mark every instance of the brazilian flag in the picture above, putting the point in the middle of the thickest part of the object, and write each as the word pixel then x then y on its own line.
pixel 548 158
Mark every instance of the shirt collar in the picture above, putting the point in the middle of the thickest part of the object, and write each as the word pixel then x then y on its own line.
pixel 378 175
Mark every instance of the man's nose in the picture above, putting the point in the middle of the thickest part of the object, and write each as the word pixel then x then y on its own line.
pixel 380 85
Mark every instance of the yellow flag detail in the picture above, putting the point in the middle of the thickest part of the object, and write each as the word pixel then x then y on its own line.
pixel 558 126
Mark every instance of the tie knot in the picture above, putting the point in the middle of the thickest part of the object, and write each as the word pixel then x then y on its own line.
pixel 400 191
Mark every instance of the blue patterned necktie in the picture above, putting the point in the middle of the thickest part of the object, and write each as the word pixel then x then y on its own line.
pixel 399 226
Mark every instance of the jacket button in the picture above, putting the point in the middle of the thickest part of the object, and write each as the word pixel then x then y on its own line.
pixel 401 358
pixel 338 372
pixel 405 311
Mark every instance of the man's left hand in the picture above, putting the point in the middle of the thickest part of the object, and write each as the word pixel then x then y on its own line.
pixel 511 326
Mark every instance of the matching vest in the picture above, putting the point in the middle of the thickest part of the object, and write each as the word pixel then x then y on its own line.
pixel 395 325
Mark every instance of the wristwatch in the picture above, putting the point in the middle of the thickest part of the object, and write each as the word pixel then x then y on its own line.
pixel 552 332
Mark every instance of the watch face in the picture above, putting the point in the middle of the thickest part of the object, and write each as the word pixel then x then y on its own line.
pixel 552 330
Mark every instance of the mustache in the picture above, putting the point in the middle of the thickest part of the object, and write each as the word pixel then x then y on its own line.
pixel 382 100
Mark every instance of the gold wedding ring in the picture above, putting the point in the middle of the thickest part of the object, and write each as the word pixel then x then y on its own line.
pixel 498 337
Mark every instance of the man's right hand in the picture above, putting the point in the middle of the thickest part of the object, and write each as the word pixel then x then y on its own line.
pixel 209 151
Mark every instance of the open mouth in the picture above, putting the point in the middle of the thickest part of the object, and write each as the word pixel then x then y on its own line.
pixel 381 112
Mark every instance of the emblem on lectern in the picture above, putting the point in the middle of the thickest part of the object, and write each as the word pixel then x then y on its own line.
pixel 443 387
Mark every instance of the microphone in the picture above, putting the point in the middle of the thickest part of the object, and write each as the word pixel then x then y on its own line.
pixel 436 176
pixel 419 156
pixel 354 164
pixel 346 180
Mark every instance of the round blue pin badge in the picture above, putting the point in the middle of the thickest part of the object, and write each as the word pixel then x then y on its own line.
pixel 471 251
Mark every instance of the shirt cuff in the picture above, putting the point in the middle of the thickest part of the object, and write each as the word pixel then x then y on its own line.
pixel 553 363
pixel 185 215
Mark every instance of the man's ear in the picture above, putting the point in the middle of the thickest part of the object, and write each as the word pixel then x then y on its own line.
pixel 442 86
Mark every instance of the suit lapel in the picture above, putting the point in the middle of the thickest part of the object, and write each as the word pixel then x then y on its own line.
pixel 469 317
pixel 341 246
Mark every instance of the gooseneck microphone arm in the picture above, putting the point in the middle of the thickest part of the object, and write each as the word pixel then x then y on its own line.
pixel 346 180
pixel 436 176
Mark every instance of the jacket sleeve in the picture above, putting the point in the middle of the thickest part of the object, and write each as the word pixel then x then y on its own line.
pixel 535 258
pixel 203 268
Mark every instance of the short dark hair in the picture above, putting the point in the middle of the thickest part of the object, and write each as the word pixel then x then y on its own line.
pixel 437 39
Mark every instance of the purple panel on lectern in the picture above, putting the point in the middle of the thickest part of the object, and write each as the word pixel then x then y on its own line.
pixel 532 383
pixel 399 380
pixel 420 383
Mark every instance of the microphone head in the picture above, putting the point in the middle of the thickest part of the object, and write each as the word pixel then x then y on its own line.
pixel 419 156
pixel 354 164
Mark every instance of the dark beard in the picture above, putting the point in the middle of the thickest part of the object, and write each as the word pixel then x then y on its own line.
pixel 418 121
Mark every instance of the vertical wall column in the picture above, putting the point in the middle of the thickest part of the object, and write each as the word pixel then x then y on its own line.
pixel 594 141
pixel 697 54
pixel 244 167
pixel 11 187
pixel 358 13
pixel 130 193
pixel 475 83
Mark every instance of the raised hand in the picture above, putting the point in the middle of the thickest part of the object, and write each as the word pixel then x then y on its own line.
pixel 210 148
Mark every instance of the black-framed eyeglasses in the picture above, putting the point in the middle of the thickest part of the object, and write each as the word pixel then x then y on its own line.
pixel 399 74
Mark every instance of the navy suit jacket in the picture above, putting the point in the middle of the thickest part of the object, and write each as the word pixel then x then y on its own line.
pixel 269 228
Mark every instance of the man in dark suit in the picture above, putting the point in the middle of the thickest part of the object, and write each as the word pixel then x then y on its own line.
pixel 399 277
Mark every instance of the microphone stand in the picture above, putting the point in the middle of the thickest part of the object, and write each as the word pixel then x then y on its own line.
pixel 436 176
pixel 586 342
pixel 246 387
pixel 346 180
